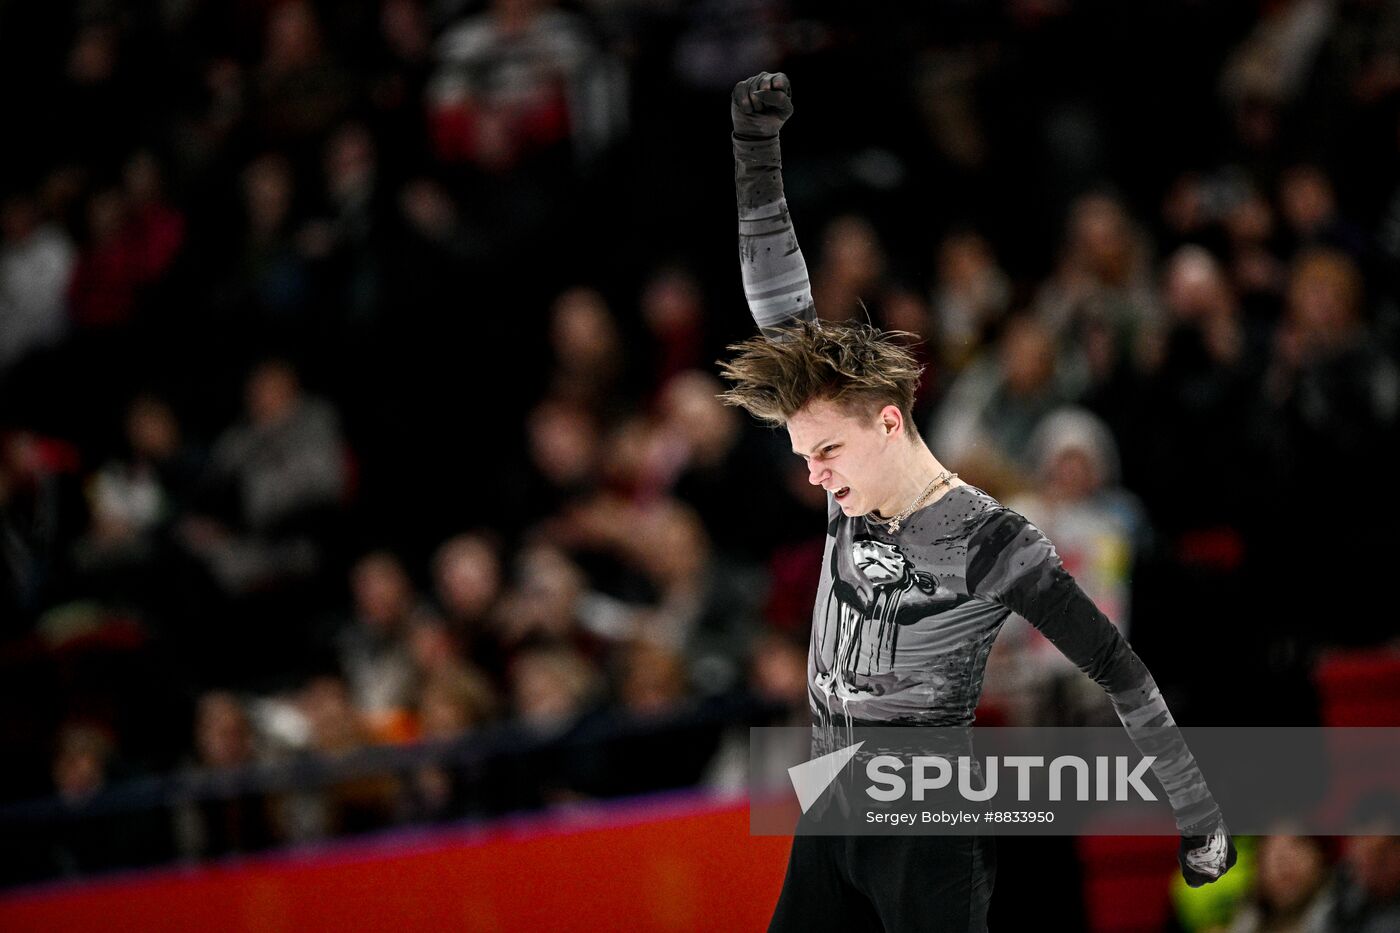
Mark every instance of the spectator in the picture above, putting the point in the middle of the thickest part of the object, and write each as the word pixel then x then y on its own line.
pixel 904 310
pixel 455 701
pixel 401 62
pixel 300 90
pixel 1198 391
pixel 1292 893
pixel 721 38
pixel 652 681
pixel 722 465
pixel 1308 204
pixel 1100 302
pixel 82 767
pixel 564 448
pixel 1368 892
pixel 270 485
pixel 970 298
pixel 542 608
pixel 1199 383
pixel 80 771
pixel 36 262
pixel 778 674
pixel 451 704
pixel 1330 391
pixel 1098 529
pixel 707 609
pixel 1267 70
pixel 672 589
pixel 674 313
pixel 155 226
pixel 984 424
pixel 266 272
pixel 102 292
pixel 98 86
pixel 589 365
pixel 1329 385
pixel 518 79
pixel 467 582
pixel 336 730
pixel 350 240
pixel 41 509
pixel 852 269
pixel 240 823
pixel 375 648
pixel 551 687
pixel 1258 275
pixel 133 500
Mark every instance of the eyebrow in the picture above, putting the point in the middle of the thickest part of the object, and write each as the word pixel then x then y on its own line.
pixel 824 443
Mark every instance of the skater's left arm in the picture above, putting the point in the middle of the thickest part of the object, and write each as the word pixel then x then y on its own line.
pixel 1010 562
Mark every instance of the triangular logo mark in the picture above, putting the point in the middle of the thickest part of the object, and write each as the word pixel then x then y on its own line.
pixel 811 778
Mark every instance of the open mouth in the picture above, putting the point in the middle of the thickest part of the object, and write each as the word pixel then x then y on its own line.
pixel 842 493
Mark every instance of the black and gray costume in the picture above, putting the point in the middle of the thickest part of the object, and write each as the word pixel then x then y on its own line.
pixel 903 622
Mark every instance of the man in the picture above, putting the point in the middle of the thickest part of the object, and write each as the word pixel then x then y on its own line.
pixel 921 570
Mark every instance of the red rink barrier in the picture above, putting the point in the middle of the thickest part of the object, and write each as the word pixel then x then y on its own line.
pixel 1127 882
pixel 680 864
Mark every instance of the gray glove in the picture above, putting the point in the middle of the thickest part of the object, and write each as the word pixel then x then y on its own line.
pixel 760 106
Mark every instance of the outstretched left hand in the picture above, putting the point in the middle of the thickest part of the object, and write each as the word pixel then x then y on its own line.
pixel 1206 858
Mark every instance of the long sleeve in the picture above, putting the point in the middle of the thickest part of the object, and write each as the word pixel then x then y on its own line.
pixel 776 283
pixel 1011 563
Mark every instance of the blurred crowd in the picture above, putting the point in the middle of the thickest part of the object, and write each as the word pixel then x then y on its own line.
pixel 357 383
pixel 1300 884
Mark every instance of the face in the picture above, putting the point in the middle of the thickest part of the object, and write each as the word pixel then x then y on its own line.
pixel 1375 861
pixel 383 593
pixel 1291 869
pixel 151 429
pixel 222 731
pixel 849 455
pixel 1073 475
pixel 468 576
pixel 271 393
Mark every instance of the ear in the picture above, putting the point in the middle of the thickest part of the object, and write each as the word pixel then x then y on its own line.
pixel 892 421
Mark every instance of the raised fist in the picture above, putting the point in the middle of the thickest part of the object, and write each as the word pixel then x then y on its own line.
pixel 761 105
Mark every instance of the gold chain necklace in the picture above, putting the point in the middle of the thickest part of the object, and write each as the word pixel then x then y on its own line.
pixel 942 479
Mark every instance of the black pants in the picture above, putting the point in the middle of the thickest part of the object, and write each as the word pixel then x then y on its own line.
pixel 891 883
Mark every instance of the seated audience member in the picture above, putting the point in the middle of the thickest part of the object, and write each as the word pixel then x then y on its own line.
pixel 375 648
pixel 84 765
pixel 984 425
pixel 1368 888
pixel 271 483
pixel 135 498
pixel 358 804
pixel 1292 889
pixel 224 739
pixel 452 703
pixel 467 581
pixel 1098 528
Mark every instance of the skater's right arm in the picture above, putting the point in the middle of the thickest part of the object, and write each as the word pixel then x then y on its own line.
pixel 776 284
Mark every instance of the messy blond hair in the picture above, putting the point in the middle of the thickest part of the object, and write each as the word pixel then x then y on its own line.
pixel 851 364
